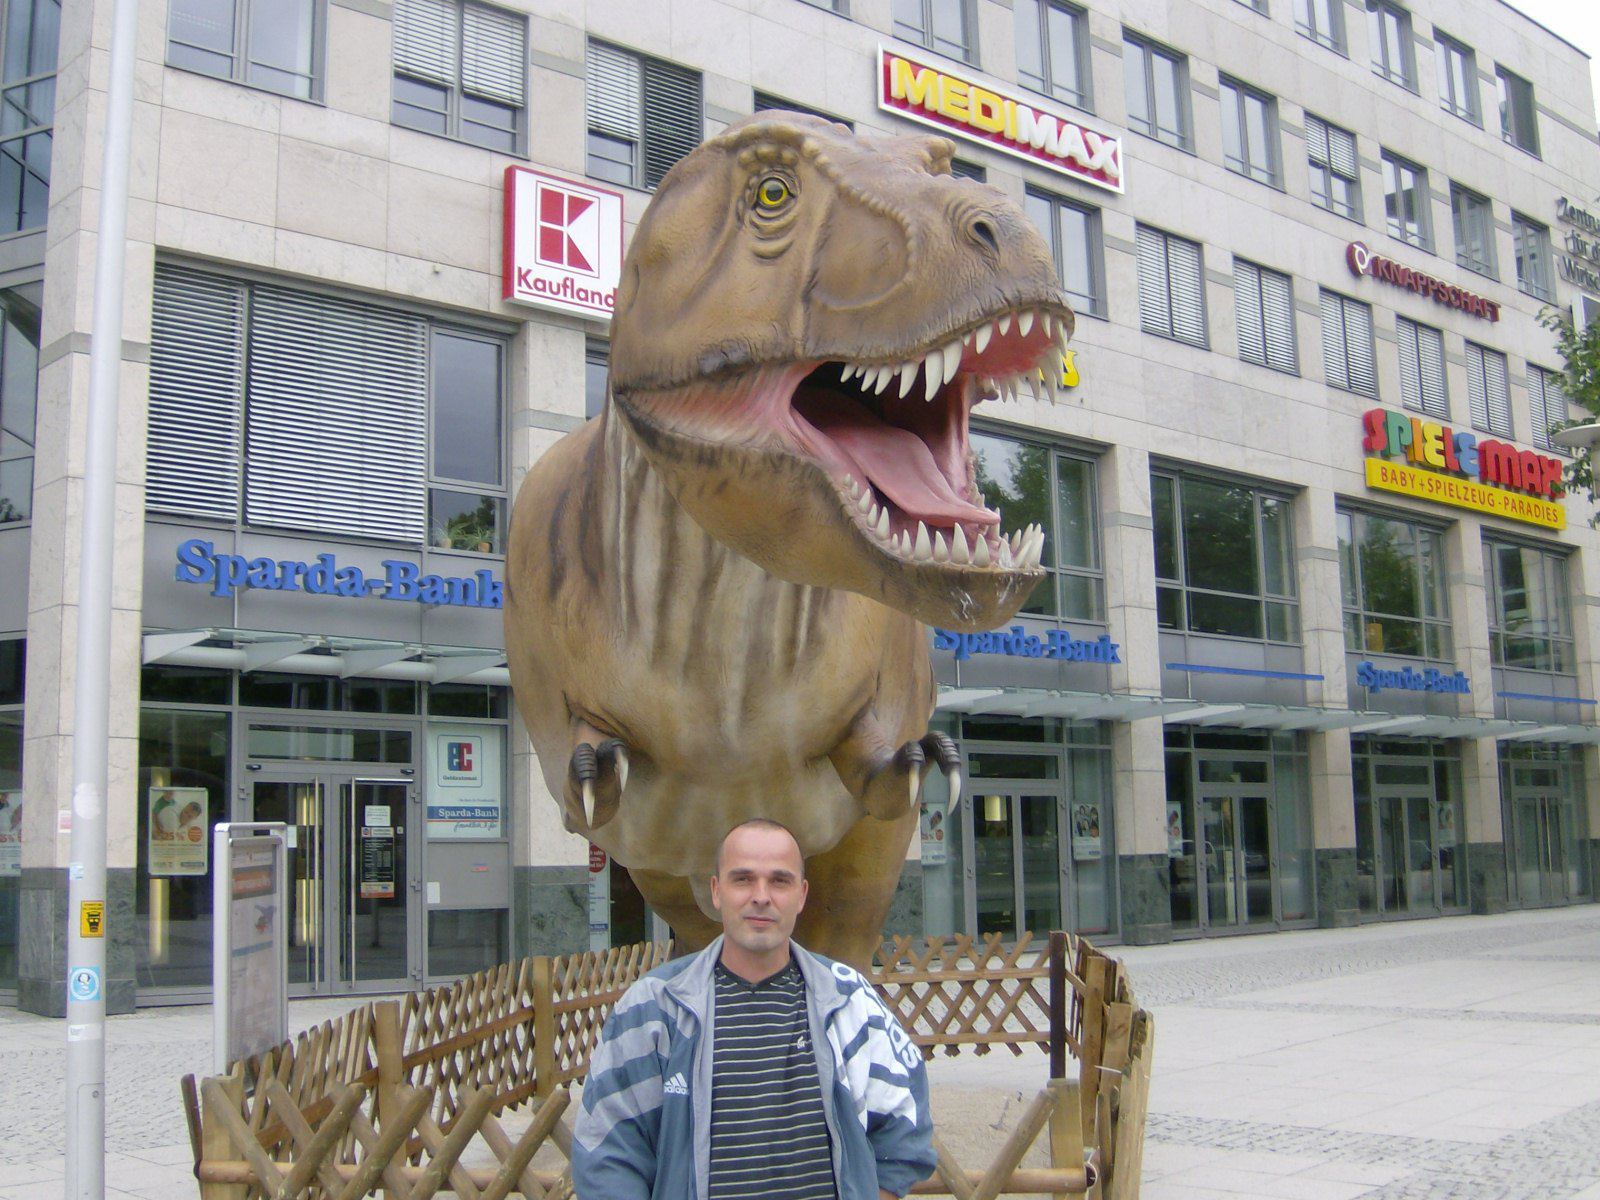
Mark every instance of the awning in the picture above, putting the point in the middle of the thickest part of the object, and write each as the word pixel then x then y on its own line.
pixel 309 654
pixel 1102 706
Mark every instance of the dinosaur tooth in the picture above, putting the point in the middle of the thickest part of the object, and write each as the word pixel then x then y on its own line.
pixel 1047 323
pixel 1015 541
pixel 1003 325
pixel 908 376
pixel 1034 385
pixel 881 525
pixel 952 360
pixel 1003 556
pixel 1025 321
pixel 980 550
pixel 980 339
pixel 932 373
pixel 958 546
pixel 885 374
pixel 941 552
pixel 864 502
pixel 850 484
pixel 923 550
pixel 849 370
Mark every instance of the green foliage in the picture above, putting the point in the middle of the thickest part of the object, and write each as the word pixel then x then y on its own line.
pixel 1580 383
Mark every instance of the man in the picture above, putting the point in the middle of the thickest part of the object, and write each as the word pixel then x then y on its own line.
pixel 754 1069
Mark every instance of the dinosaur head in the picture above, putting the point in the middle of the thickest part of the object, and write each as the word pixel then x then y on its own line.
pixel 805 320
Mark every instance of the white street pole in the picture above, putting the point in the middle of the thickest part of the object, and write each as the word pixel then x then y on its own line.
pixel 86 882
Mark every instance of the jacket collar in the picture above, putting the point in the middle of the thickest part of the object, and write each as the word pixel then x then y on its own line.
pixel 692 986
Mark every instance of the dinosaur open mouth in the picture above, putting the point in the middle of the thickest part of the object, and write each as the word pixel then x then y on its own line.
pixel 893 437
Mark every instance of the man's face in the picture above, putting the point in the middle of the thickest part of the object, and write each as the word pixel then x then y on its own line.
pixel 759 888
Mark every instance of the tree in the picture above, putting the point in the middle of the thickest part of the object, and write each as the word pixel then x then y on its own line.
pixel 1580 384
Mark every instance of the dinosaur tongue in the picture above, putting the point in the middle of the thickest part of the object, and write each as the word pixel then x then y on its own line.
pixel 895 460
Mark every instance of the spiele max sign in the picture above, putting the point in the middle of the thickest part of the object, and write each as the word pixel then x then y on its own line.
pixel 227 574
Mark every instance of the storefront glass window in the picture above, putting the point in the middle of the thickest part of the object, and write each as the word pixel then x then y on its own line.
pixel 183 792
pixel 1030 483
pixel 1392 576
pixel 326 693
pixel 1530 608
pixel 462 941
pixel 1546 827
pixel 1410 832
pixel 10 842
pixel 1224 559
pixel 185 685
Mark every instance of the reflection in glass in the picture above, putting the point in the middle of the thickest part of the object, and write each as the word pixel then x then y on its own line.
pixel 10 843
pixel 281 37
pixel 467 418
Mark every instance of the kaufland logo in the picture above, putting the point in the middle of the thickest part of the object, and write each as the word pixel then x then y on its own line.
pixel 569 228
pixel 563 243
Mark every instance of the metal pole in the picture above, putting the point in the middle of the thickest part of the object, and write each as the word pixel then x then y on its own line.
pixel 86 886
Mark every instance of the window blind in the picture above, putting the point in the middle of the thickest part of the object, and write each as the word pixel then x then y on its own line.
pixel 1358 340
pixel 425 39
pixel 1488 390
pixel 196 389
pixel 335 437
pixel 1155 308
pixel 672 117
pixel 493 54
pixel 1549 406
pixel 1188 298
pixel 1247 312
pixel 1277 309
pixel 612 91
pixel 1422 378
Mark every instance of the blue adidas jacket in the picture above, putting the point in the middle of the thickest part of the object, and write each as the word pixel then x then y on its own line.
pixel 645 1128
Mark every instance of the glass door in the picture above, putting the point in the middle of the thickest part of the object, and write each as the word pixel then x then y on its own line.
pixel 1233 858
pixel 354 911
pixel 1542 874
pixel 1017 872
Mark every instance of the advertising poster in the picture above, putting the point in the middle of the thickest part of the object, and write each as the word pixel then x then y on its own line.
pixel 465 783
pixel 177 831
pixel 599 899
pixel 10 833
pixel 255 968
pixel 935 846
pixel 1086 843
pixel 377 862
pixel 1174 829
pixel 1445 817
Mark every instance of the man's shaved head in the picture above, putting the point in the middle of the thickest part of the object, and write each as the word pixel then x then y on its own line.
pixel 764 823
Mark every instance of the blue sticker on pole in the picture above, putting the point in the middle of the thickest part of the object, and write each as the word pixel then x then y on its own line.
pixel 83 984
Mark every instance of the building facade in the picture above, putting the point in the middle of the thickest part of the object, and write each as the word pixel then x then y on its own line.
pixel 1316 642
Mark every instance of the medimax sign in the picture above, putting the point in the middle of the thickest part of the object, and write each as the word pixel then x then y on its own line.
pixel 983 112
pixel 1430 461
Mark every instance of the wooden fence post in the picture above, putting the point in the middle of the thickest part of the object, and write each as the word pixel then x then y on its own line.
pixel 391 1067
pixel 1058 1004
pixel 217 1144
pixel 544 1026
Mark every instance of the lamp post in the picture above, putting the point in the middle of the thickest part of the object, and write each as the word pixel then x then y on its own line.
pixel 1579 437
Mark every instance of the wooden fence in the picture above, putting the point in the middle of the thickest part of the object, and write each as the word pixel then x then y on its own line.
pixel 411 1097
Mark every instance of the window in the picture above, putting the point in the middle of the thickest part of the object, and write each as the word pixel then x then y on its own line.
pixel 1488 390
pixel 1158 91
pixel 460 70
pixel 766 102
pixel 271 44
pixel 1335 172
pixel 1531 241
pixel 1073 232
pixel 1053 50
pixel 1422 377
pixel 596 376
pixel 963 169
pixel 1032 483
pixel 1518 120
pixel 1171 287
pixel 942 25
pixel 1405 201
pixel 1458 78
pixel 1530 611
pixel 1224 559
pixel 1548 405
pixel 1250 133
pixel 1474 225
pixel 19 398
pixel 1389 27
pixel 644 115
pixel 1347 344
pixel 28 77
pixel 1322 21
pixel 1263 303
pixel 294 410
pixel 1392 574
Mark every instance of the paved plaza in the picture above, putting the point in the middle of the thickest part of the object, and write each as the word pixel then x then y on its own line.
pixel 1453 1058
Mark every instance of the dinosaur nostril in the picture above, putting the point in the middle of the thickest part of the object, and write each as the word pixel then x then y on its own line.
pixel 983 231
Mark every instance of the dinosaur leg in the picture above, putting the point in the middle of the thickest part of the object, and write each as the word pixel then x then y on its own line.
pixel 673 900
pixel 596 776
pixel 852 887
pixel 888 782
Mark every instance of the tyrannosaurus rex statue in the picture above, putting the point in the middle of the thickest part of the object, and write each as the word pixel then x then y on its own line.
pixel 716 589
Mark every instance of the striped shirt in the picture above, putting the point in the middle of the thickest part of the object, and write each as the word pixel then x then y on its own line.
pixel 769 1139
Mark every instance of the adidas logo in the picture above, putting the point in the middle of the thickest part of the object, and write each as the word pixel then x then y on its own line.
pixel 675 1086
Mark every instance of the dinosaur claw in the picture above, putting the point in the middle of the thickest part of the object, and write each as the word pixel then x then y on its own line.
pixel 954 777
pixel 914 778
pixel 587 788
pixel 622 767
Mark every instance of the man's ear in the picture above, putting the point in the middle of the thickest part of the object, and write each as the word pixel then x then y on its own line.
pixel 805 890
pixel 716 901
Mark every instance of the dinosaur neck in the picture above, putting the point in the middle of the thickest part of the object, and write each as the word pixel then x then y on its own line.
pixel 678 591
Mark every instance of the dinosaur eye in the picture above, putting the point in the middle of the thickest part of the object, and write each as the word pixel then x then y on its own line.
pixel 772 193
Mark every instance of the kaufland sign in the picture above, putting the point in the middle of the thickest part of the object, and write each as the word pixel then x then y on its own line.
pixel 980 112
pixel 563 244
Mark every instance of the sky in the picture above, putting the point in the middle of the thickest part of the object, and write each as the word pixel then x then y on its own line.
pixel 1578 21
